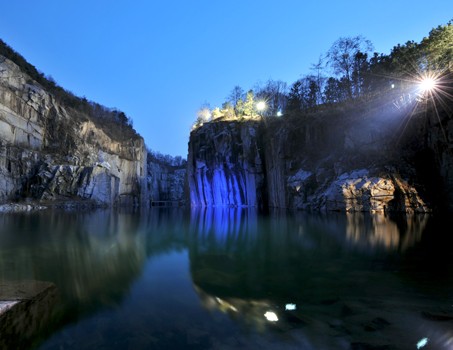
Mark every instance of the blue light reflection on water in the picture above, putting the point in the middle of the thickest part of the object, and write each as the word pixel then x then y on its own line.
pixel 205 279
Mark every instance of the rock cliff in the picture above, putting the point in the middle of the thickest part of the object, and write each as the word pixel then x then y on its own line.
pixel 225 165
pixel 52 152
pixel 166 180
pixel 366 158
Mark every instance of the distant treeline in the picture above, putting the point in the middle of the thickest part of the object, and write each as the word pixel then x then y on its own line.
pixel 166 160
pixel 114 122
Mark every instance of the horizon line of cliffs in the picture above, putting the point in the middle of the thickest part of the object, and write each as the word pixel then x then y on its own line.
pixel 348 161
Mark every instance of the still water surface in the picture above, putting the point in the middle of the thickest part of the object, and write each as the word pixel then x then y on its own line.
pixel 235 279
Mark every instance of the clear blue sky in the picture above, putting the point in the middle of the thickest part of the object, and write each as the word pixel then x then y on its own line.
pixel 159 61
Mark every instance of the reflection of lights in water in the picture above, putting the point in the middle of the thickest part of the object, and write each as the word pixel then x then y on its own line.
pixel 422 343
pixel 290 307
pixel 271 316
pixel 225 305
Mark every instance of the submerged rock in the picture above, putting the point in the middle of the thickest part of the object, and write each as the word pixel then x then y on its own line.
pixel 25 310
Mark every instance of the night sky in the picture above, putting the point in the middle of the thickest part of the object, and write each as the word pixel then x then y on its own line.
pixel 159 61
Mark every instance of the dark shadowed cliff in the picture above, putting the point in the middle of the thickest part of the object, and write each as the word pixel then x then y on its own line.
pixel 373 156
pixel 372 132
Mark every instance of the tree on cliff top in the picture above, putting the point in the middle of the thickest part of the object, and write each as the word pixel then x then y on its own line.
pixel 438 48
pixel 343 57
pixel 115 123
pixel 356 76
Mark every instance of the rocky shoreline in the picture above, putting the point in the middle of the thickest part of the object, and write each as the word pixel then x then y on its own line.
pixel 39 206
pixel 15 207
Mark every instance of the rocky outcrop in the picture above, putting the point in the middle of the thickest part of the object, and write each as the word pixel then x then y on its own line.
pixel 382 159
pixel 359 191
pixel 225 165
pixel 51 152
pixel 25 311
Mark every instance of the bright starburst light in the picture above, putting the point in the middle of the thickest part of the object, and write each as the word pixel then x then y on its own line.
pixel 427 84
pixel 431 91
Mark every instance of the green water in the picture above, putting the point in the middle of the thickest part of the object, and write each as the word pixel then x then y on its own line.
pixel 235 279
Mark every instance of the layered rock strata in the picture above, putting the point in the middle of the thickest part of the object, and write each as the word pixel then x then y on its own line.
pixel 51 152
pixel 166 184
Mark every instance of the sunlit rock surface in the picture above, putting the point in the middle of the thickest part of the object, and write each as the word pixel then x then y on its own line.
pixel 225 166
pixel 51 153
pixel 380 160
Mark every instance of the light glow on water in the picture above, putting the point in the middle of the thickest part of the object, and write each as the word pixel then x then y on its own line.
pixel 271 316
pixel 290 307
pixel 422 343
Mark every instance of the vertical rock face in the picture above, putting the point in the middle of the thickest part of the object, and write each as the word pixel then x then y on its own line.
pixel 166 182
pixel 381 161
pixel 439 152
pixel 49 152
pixel 225 166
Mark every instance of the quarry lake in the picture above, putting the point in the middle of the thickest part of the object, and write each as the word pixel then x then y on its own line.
pixel 170 278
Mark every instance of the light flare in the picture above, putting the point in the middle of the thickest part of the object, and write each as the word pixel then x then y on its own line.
pixel 261 106
pixel 427 84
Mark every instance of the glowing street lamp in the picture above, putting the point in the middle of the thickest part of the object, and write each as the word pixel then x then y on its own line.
pixel 260 107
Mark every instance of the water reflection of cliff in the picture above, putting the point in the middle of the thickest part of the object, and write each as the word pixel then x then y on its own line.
pixel 377 230
pixel 92 257
pixel 235 256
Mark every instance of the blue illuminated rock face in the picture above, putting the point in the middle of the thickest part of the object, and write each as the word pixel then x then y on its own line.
pixel 360 163
pixel 225 166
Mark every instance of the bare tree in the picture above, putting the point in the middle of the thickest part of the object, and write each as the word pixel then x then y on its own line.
pixel 342 56
pixel 235 95
pixel 320 78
